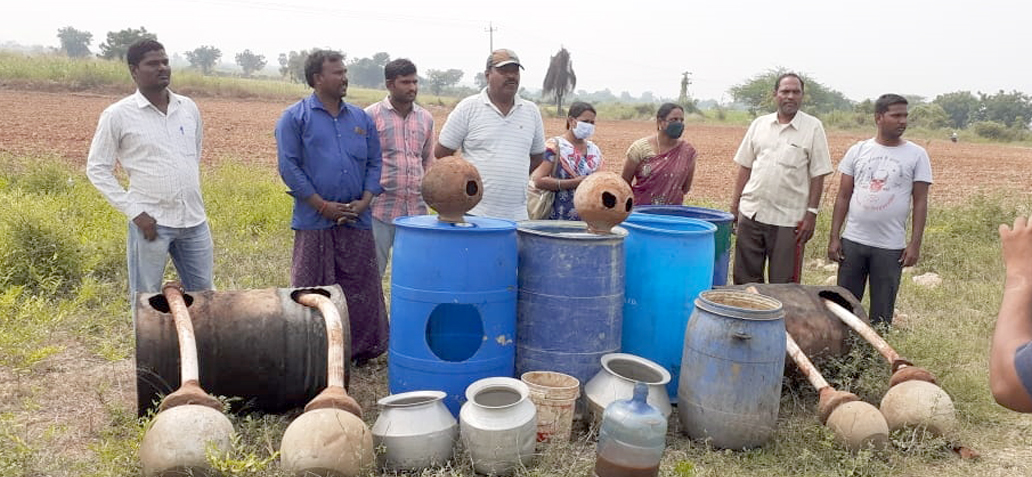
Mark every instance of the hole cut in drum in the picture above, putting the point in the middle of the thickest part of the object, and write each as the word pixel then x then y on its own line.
pixel 454 332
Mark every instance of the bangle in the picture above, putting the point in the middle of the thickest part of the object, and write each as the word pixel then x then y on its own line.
pixel 558 185
pixel 813 210
pixel 322 207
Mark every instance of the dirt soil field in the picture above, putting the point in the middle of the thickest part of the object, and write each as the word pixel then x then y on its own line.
pixel 63 124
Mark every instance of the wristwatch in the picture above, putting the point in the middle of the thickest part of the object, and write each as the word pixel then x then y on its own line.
pixel 813 210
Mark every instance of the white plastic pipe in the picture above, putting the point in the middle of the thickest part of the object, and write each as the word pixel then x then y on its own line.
pixel 334 335
pixel 864 330
pixel 804 364
pixel 184 329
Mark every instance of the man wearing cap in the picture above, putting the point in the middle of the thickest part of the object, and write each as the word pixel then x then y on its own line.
pixel 782 162
pixel 499 133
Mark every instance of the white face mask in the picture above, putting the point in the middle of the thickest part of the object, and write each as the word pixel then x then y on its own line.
pixel 583 130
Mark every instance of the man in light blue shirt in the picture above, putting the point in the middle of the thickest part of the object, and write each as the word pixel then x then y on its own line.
pixel 329 156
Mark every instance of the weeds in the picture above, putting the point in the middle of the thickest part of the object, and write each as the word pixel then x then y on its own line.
pixel 77 299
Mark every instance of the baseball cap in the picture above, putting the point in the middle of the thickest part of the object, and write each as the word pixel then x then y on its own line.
pixel 503 57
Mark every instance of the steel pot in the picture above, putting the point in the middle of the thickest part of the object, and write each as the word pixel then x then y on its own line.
pixel 416 429
pixel 498 423
pixel 620 372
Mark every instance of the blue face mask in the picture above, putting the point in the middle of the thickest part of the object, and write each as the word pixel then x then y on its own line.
pixel 674 129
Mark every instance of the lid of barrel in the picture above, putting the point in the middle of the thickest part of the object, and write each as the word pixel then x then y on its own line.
pixel 567 229
pixel 669 224
pixel 703 213
pixel 472 224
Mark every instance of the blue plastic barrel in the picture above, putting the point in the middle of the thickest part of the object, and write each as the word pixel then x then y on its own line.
pixel 722 239
pixel 669 262
pixel 453 304
pixel 570 304
pixel 734 358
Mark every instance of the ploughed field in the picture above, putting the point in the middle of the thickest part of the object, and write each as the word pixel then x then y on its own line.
pixel 242 130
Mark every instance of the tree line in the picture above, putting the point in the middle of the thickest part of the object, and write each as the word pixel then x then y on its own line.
pixel 1001 115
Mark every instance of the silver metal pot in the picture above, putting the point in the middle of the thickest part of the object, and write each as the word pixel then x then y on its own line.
pixel 620 372
pixel 416 429
pixel 499 425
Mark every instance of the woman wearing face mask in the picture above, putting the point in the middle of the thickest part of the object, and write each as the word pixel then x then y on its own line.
pixel 660 167
pixel 578 157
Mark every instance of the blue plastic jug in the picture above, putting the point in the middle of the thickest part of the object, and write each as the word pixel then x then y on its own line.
pixel 632 438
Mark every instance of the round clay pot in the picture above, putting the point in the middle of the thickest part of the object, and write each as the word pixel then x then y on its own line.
pixel 859 425
pixel 452 187
pixel 603 200
pixel 178 439
pixel 919 404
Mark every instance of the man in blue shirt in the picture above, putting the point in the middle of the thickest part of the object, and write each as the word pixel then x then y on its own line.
pixel 329 156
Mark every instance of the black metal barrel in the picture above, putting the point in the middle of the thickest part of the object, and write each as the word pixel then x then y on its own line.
pixel 819 333
pixel 259 345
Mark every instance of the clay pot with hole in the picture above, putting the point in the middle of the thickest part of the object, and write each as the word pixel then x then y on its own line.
pixel 452 187
pixel 603 200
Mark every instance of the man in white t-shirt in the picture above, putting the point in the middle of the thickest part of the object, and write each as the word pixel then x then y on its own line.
pixel 881 178
pixel 499 133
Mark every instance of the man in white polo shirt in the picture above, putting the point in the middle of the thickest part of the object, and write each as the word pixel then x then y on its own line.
pixel 499 133
pixel 155 135
pixel 782 162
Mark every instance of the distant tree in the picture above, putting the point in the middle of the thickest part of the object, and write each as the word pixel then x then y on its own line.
pixel 438 80
pixel 292 65
pixel 758 94
pixel 626 97
pixel 1013 109
pixel 479 80
pixel 284 67
pixel 368 72
pixel 75 43
pixel 118 42
pixel 864 107
pixel 915 99
pixel 250 62
pixel 648 97
pixel 929 115
pixel 560 80
pixel 204 58
pixel 961 106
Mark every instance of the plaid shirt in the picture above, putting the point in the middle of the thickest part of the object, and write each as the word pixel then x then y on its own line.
pixel 407 144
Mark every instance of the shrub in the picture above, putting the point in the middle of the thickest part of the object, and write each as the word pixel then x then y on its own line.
pixel 999 131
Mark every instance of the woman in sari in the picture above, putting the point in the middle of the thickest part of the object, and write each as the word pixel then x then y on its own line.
pixel 660 167
pixel 578 157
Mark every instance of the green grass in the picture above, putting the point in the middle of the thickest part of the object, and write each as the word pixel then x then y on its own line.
pixel 56 72
pixel 72 307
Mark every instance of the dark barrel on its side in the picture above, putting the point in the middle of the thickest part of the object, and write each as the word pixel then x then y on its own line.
pixel 259 345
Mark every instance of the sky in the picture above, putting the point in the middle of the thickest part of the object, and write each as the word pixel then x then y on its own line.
pixel 863 49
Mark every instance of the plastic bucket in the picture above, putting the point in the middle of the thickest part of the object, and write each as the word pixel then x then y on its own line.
pixel 554 395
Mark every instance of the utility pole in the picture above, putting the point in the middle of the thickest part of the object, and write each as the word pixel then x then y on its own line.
pixel 490 31
pixel 685 82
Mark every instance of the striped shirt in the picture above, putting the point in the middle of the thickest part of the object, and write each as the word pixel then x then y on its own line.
pixel 783 159
pixel 407 145
pixel 160 152
pixel 500 148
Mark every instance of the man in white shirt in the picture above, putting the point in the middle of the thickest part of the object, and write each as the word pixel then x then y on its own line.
pixel 881 178
pixel 501 134
pixel 782 162
pixel 155 135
